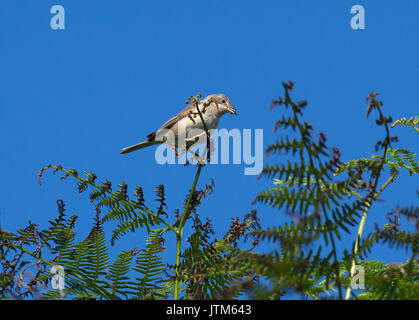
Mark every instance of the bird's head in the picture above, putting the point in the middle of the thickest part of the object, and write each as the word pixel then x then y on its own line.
pixel 223 103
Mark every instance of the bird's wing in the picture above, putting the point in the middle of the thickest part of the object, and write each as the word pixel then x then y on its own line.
pixel 169 124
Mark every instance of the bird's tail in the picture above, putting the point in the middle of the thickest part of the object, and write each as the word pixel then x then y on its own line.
pixel 139 146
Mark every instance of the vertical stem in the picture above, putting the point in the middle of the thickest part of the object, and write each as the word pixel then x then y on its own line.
pixel 178 251
pixel 186 210
pixel 206 130
pixel 361 229
pixel 180 231
pixel 356 247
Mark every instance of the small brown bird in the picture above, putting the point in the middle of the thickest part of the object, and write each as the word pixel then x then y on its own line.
pixel 188 122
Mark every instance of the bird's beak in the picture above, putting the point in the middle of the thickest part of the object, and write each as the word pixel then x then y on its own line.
pixel 231 110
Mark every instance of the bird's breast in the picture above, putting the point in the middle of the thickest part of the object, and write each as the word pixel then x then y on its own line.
pixel 211 121
pixel 194 122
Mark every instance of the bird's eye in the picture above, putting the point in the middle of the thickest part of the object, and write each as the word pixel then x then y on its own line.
pixel 224 101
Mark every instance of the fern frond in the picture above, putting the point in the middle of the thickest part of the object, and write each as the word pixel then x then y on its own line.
pixel 412 122
pixel 120 283
pixel 150 266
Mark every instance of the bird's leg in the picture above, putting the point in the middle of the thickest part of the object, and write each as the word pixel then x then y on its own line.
pixel 175 150
pixel 193 153
pixel 197 157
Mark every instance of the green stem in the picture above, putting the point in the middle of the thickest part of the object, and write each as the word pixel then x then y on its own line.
pixel 186 210
pixel 180 231
pixel 361 229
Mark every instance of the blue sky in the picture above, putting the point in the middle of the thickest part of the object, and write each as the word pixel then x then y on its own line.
pixel 75 97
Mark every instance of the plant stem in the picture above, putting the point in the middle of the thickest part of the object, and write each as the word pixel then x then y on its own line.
pixel 180 230
pixel 361 229
pixel 186 210
pixel 206 130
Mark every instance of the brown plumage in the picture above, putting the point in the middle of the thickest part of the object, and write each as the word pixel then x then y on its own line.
pixel 189 119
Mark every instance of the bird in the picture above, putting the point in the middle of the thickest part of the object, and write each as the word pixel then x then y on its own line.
pixel 188 122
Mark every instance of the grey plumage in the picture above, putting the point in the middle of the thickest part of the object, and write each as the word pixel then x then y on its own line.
pixel 188 119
